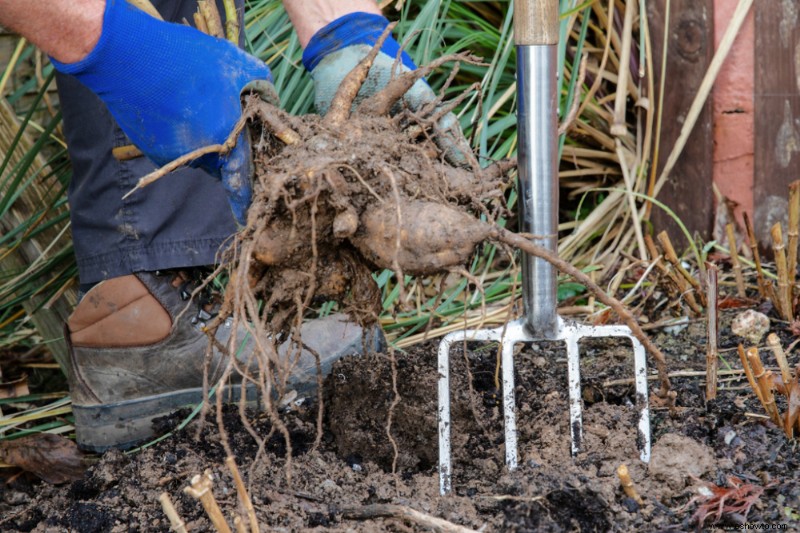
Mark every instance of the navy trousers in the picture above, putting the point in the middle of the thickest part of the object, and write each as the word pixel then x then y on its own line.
pixel 182 220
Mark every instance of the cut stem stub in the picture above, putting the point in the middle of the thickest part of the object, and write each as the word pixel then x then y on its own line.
pixel 175 522
pixel 201 489
pixel 627 484
pixel 711 345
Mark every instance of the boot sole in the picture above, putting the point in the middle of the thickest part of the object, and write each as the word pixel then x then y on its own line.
pixel 124 425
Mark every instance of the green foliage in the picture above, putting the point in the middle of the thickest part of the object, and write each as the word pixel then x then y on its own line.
pixel 34 164
pixel 570 289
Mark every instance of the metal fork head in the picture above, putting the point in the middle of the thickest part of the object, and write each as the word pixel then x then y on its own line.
pixel 518 332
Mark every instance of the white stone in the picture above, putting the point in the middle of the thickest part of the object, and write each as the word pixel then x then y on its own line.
pixel 751 325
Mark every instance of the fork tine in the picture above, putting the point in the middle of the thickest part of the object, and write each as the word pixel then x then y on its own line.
pixel 445 480
pixel 509 406
pixel 642 400
pixel 574 383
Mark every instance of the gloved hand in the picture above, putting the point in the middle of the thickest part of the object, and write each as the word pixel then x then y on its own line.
pixel 338 47
pixel 173 89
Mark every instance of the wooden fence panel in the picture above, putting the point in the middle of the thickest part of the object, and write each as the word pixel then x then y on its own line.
pixel 777 110
pixel 690 46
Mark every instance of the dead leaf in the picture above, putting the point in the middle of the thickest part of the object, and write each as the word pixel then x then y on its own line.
pixel 52 458
pixel 14 389
pixel 780 387
pixel 603 317
pixel 714 501
pixel 735 302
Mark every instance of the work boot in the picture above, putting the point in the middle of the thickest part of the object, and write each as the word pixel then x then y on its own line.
pixel 138 352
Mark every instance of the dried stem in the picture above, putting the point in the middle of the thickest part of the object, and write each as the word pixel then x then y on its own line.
pixel 390 415
pixel 147 7
pixel 628 178
pixel 342 102
pixel 208 8
pixel 672 257
pixel 793 231
pixel 574 109
pixel 772 294
pixel 200 22
pixel 525 245
pixel 619 126
pixel 244 496
pixel 231 21
pixel 712 359
pixel 405 513
pixel 780 356
pixel 734 372
pixel 784 294
pixel 793 418
pixel 673 289
pixel 177 525
pixel 751 236
pixel 684 289
pixel 201 490
pixel 748 372
pixel 737 266
pixel 627 484
pixel 764 380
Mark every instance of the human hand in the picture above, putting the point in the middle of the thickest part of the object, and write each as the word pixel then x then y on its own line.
pixel 338 47
pixel 173 89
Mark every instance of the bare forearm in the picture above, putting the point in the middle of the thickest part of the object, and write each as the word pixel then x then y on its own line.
pixel 64 29
pixel 309 16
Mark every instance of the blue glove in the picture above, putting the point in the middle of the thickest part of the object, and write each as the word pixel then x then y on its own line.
pixel 173 89
pixel 338 47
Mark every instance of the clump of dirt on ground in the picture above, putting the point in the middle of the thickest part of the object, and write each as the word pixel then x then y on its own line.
pixel 351 470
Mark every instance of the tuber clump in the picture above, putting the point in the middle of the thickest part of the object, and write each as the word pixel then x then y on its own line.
pixel 340 196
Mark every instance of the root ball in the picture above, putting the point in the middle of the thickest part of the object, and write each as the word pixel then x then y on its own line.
pixel 348 196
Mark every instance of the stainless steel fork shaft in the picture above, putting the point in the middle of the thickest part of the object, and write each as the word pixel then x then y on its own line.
pixel 537 123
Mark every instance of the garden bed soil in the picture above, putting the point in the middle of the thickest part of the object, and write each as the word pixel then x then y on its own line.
pixel 350 472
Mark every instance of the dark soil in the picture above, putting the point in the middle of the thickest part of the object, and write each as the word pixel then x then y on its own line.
pixel 697 444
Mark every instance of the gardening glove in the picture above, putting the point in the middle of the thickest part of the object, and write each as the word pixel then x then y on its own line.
pixel 173 89
pixel 338 47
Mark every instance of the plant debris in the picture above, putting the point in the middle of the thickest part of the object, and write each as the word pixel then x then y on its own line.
pixel 715 502
pixel 52 458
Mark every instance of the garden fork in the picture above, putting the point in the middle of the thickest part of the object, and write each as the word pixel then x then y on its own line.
pixel 536 31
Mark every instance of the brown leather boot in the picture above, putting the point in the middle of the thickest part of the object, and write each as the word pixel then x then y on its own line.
pixel 137 352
